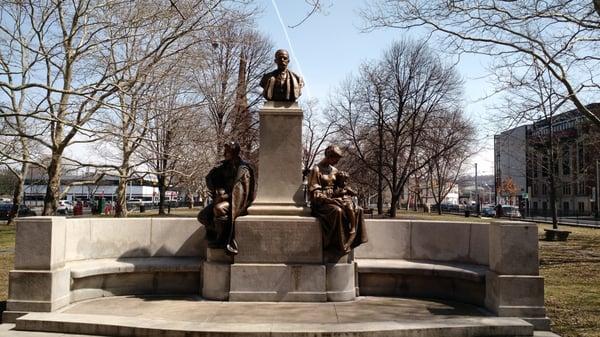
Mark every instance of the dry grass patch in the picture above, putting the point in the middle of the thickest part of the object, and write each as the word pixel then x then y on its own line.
pixel 572 282
pixel 7 254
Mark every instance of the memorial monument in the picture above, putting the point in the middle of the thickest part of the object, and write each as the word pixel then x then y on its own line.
pixel 279 245
pixel 273 250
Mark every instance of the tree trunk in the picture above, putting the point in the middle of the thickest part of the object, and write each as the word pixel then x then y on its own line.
pixel 121 205
pixel 394 204
pixel 190 198
pixel 18 194
pixel 53 188
pixel 161 194
pixel 380 166
pixel 379 196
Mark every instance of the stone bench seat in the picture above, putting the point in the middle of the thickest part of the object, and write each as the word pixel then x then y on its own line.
pixel 94 267
pixel 134 276
pixel 468 272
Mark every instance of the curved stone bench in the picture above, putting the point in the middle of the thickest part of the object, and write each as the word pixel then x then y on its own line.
pixel 422 278
pixel 61 260
pixel 146 275
pixel 467 272
pixel 493 265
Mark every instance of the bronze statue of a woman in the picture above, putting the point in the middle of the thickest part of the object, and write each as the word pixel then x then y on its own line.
pixel 342 222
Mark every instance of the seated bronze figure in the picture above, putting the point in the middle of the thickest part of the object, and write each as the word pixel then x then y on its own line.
pixel 232 189
pixel 341 219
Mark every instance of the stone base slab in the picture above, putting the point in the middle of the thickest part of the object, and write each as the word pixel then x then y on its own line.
pixel 11 316
pixel 218 255
pixel 340 282
pixel 38 290
pixel 278 282
pixel 271 209
pixel 514 291
pixel 215 281
pixel 539 323
pixel 366 317
pixel 273 296
pixel 278 239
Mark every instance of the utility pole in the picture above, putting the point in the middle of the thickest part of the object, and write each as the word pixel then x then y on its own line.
pixel 476 192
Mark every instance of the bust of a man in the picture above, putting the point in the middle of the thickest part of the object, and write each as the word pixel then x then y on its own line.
pixel 282 84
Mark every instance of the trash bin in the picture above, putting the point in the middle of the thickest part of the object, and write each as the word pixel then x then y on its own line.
pixel 78 209
pixel 101 205
pixel 467 213
pixel 142 208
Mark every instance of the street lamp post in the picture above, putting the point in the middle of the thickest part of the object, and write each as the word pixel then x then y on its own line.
pixel 476 192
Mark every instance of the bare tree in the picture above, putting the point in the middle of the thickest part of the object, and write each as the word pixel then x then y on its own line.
pixel 316 132
pixel 535 97
pixel 560 35
pixel 413 88
pixel 227 76
pixel 443 170
pixel 67 45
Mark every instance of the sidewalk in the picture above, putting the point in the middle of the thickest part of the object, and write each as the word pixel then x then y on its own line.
pixel 567 221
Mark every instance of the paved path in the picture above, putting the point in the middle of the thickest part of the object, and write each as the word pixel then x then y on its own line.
pixel 193 313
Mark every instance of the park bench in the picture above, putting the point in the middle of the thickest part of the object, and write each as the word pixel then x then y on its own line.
pixel 427 259
pixel 65 260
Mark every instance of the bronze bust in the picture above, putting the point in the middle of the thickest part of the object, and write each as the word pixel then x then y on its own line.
pixel 282 84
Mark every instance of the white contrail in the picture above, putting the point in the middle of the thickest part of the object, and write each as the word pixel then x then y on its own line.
pixel 291 47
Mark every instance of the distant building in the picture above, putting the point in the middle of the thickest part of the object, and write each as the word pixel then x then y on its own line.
pixel 510 163
pixel 143 189
pixel 485 187
pixel 577 151
pixel 522 155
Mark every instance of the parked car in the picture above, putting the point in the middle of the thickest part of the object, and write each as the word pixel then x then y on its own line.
pixel 6 207
pixel 489 211
pixel 64 207
pixel 510 211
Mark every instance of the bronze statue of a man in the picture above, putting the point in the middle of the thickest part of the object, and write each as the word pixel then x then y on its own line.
pixel 282 84
pixel 232 189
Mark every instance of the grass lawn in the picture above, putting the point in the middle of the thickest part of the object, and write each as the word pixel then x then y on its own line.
pixel 175 212
pixel 571 270
pixel 420 215
pixel 7 254
pixel 572 282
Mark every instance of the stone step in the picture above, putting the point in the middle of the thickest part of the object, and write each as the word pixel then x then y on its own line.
pixel 107 325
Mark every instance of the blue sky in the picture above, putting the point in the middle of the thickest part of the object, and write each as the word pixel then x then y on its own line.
pixel 328 47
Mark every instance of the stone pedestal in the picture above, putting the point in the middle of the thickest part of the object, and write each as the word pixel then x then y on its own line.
pixel 39 281
pixel 281 259
pixel 280 248
pixel 280 189
pixel 513 285
pixel 217 275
